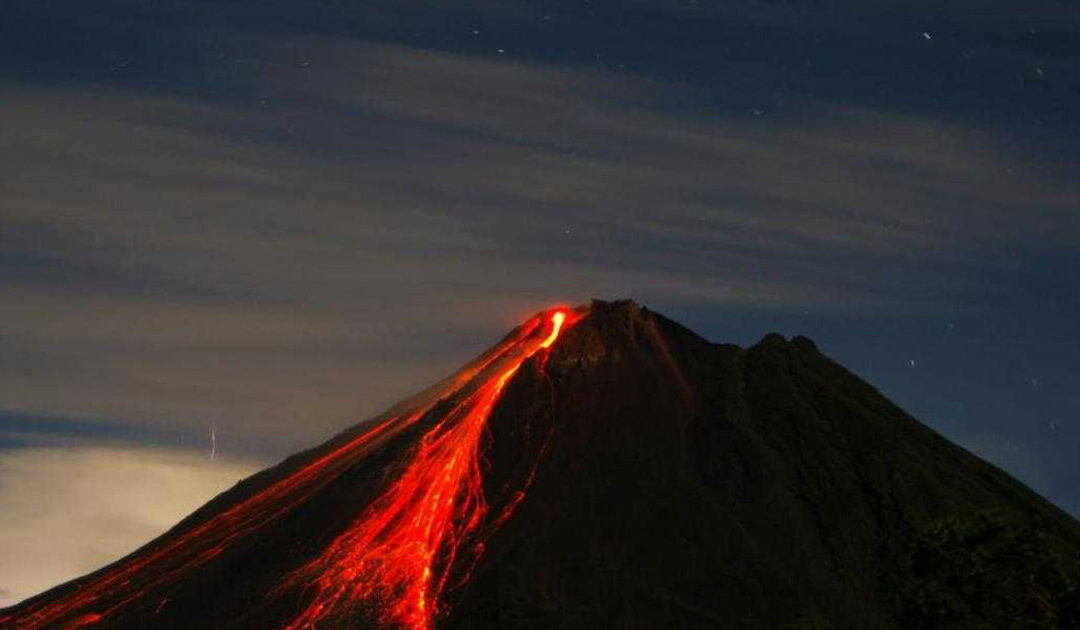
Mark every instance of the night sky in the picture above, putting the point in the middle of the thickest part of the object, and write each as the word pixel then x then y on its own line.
pixel 267 220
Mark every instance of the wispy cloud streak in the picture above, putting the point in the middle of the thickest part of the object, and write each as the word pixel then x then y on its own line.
pixel 278 265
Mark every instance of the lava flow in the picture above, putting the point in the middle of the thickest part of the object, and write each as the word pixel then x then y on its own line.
pixel 393 552
pixel 397 556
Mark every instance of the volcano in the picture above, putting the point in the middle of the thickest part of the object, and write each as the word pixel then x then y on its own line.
pixel 605 467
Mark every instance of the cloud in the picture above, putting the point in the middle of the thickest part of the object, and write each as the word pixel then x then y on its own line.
pixel 68 511
pixel 273 262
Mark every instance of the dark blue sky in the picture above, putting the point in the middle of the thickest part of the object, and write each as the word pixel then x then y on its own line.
pixel 277 218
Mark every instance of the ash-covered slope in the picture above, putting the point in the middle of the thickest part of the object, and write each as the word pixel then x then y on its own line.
pixel 610 470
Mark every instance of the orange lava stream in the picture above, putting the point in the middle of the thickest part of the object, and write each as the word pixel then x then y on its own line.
pixel 132 580
pixel 397 556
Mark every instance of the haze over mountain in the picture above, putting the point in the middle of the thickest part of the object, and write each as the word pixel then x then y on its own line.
pixel 599 467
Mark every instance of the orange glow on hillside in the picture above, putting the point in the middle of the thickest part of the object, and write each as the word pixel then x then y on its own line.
pixel 396 556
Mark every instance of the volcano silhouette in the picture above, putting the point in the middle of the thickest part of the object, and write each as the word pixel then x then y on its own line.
pixel 604 467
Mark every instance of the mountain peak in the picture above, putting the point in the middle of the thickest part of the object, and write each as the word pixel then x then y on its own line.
pixel 604 466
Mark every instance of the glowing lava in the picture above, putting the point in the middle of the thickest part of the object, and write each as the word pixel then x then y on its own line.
pixel 395 558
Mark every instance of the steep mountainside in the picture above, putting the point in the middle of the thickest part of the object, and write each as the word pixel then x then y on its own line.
pixel 604 467
pixel 688 484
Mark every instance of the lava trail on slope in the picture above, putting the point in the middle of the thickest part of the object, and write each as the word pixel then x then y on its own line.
pixel 392 550
pixel 634 475
pixel 395 558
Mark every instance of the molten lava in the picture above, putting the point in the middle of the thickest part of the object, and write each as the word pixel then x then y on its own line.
pixel 400 551
pixel 397 555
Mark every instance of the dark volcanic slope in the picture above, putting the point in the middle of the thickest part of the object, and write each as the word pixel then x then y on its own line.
pixel 688 484
pixel 635 475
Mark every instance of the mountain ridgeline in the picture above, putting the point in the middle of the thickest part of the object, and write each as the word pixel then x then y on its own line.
pixel 605 467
